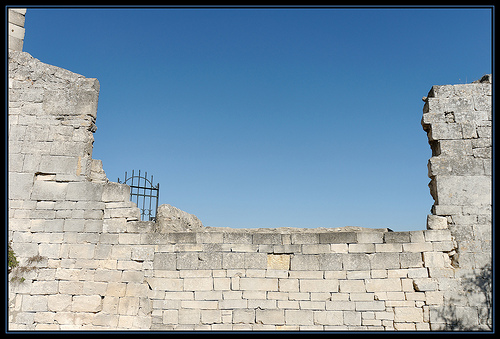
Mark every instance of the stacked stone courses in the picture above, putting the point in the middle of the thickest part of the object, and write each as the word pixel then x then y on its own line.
pixel 87 262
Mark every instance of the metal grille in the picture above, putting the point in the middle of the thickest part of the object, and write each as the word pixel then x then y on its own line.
pixel 144 193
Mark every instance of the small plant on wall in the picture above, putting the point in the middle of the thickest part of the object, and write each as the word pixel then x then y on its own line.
pixel 18 271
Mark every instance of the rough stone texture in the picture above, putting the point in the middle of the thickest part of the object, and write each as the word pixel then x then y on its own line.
pixel 16 28
pixel 458 120
pixel 91 264
pixel 172 219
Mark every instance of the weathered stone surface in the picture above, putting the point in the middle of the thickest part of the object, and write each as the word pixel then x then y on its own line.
pixel 172 219
pixel 90 264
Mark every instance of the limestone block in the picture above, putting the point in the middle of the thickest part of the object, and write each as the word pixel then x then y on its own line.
pixel 337 237
pixel 278 261
pixel 438 235
pixel 447 131
pixel 363 306
pixel 34 303
pixel 237 238
pixel 395 237
pixel 352 286
pixel 276 317
pixel 451 165
pixel 305 238
pixel 165 261
pixel 435 222
pixel 356 262
pixel 298 317
pixel 59 302
pixel 381 285
pixel 328 317
pixel 259 284
pixel 58 164
pixel 330 261
pixel 20 186
pixel 410 260
pixel 127 305
pixel 385 260
pixel 86 303
pixel 172 219
pixel 463 190
pixel 314 285
pixel 408 314
pixel 266 238
pixel 49 190
pixel 233 260
pixel 305 262
pixel 113 191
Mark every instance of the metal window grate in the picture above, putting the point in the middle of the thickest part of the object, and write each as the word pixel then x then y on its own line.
pixel 144 193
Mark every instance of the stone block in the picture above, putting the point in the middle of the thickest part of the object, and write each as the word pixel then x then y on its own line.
pixel 356 262
pixel 352 286
pixel 425 284
pixel 361 248
pixel 370 237
pixel 237 238
pixel 259 284
pixel 463 190
pixel 288 285
pixel 315 248
pixel 436 259
pixel 410 259
pixel 243 316
pixel 462 165
pixel 352 318
pixel 408 314
pixel 305 262
pixel 328 317
pixel 86 303
pixel 396 237
pixel 390 247
pixel 436 222
pixel 233 260
pixel 337 238
pixel 314 285
pixel 58 164
pixel 363 306
pixel 49 190
pixel 198 284
pixel 305 238
pixel 266 238
pixel 299 317
pixel 113 191
pixel 330 261
pixel 445 130
pixel 383 285
pixel 384 260
pixel 255 260
pixel 59 302
pixel 275 317
pixel 278 261
pixel 165 261
pixel 34 303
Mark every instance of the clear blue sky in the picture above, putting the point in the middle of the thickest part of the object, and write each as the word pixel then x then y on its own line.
pixel 270 117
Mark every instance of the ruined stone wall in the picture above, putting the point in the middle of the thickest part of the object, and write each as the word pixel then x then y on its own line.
pixel 16 28
pixel 458 120
pixel 87 262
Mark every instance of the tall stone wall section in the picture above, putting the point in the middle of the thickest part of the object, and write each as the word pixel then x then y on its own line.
pixel 87 262
pixel 16 18
pixel 458 122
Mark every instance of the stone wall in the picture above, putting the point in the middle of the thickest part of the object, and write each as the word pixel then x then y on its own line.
pixel 458 120
pixel 87 262
pixel 16 28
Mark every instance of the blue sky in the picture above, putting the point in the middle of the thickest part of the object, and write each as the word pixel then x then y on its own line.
pixel 270 117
